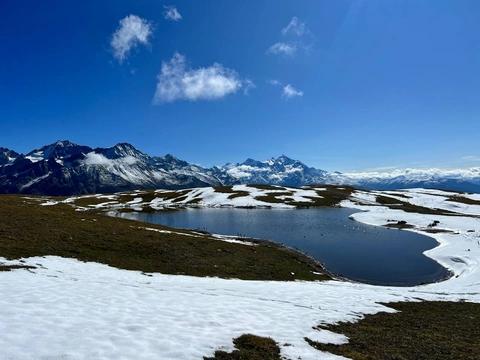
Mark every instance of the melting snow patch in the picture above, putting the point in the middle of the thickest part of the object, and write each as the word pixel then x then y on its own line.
pixel 83 310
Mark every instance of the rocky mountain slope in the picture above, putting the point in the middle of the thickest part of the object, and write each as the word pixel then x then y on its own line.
pixel 65 168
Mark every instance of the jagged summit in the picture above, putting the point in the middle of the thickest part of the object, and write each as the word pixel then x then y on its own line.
pixel 281 170
pixel 121 150
pixel 57 151
pixel 7 156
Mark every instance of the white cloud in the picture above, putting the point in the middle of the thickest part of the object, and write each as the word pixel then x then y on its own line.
pixel 131 32
pixel 289 92
pixel 282 48
pixel 171 13
pixel 299 38
pixel 295 27
pixel 177 81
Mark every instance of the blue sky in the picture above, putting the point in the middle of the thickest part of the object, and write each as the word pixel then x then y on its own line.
pixel 351 84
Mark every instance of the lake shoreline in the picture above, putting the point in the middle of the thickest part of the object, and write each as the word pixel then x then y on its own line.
pixel 208 220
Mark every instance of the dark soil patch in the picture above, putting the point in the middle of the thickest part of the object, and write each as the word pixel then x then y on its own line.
pixel 437 231
pixel 419 331
pixel 224 189
pixel 15 267
pixel 463 200
pixel 400 225
pixel 238 194
pixel 171 195
pixel 332 196
pixel 272 197
pixel 229 190
pixel 266 187
pixel 250 347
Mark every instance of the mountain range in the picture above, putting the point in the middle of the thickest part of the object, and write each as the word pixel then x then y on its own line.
pixel 65 168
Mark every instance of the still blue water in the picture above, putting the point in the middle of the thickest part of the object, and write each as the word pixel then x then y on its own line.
pixel 348 248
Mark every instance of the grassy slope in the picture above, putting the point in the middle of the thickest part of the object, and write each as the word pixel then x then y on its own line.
pixel 28 229
pixel 420 331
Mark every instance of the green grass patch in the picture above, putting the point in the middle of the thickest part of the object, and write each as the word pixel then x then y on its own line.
pixel 419 331
pixel 250 347
pixel 28 229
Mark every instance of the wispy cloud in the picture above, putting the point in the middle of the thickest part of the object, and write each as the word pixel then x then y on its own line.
pixel 171 13
pixel 248 85
pixel 177 81
pixel 289 92
pixel 282 48
pixel 131 32
pixel 296 36
pixel 295 27
pixel 274 82
pixel 471 158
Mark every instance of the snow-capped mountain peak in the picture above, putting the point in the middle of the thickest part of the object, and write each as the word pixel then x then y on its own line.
pixel 65 168
pixel 121 150
pixel 7 156
pixel 57 151
pixel 280 171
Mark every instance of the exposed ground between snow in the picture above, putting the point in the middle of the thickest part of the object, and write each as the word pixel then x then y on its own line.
pixel 28 229
pixel 65 308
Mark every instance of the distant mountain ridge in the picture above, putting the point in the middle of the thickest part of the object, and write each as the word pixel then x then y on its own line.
pixel 279 171
pixel 65 168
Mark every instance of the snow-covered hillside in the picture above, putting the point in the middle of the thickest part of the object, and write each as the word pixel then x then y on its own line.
pixel 74 306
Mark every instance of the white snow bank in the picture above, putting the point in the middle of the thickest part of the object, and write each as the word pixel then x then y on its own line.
pixel 69 309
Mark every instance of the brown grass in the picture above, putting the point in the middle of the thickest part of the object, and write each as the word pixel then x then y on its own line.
pixel 250 347
pixel 407 207
pixel 463 200
pixel 28 229
pixel 419 331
